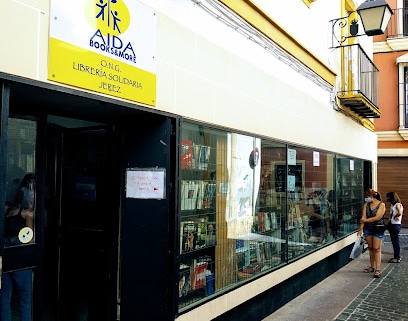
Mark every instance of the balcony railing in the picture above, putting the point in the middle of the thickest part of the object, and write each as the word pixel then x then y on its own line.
pixel 359 85
pixel 398 25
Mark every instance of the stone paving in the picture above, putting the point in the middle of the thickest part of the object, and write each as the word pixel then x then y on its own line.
pixel 350 294
pixel 384 299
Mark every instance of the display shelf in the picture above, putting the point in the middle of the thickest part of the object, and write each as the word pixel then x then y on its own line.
pixel 197 217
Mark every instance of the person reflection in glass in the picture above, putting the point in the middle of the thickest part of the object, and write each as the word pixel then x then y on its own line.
pixel 19 215
pixel 319 219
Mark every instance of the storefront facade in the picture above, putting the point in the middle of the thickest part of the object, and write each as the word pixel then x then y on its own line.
pixel 189 181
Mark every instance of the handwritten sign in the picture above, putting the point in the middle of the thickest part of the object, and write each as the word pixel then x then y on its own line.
pixel 146 183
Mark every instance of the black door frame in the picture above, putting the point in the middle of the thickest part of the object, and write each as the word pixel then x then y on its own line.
pixel 63 230
pixel 27 255
pixel 4 115
pixel 41 99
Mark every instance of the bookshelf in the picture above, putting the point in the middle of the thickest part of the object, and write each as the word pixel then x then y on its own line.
pixel 350 192
pixel 198 226
pixel 280 224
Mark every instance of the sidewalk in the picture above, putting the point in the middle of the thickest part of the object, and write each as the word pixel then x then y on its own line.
pixel 350 294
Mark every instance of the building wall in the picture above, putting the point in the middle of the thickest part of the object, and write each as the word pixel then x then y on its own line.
pixel 392 146
pixel 388 82
pixel 229 81
pixel 207 71
pixel 389 172
pixel 210 72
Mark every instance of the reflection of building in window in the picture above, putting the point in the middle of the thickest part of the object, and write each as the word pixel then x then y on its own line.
pixel 210 229
pixel 294 173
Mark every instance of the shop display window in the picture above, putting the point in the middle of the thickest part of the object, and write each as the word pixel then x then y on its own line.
pixel 248 205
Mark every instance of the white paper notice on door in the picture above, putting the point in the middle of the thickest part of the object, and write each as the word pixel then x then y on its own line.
pixel 146 183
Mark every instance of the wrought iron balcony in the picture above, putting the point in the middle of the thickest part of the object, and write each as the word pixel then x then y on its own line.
pixel 359 82
pixel 398 25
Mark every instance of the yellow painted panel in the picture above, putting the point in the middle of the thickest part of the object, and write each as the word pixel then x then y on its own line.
pixel 82 68
pixel 350 6
pixel 308 2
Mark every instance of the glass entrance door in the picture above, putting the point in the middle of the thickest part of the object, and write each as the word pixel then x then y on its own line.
pixel 20 242
pixel 81 231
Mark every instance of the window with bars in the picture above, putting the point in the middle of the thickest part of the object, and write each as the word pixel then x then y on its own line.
pixel 405 91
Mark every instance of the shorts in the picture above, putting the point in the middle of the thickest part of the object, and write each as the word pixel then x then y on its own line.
pixel 368 231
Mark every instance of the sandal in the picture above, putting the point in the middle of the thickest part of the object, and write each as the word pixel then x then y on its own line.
pixel 369 269
pixel 377 274
pixel 394 260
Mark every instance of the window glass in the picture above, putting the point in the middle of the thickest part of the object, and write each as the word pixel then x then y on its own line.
pixel 204 245
pixel 249 205
pixel 405 96
pixel 311 209
pixel 20 182
pixel 350 193
pixel 270 214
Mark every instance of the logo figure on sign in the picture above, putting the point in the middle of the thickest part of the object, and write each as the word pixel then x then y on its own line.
pixel 103 6
pixel 25 235
pixel 111 18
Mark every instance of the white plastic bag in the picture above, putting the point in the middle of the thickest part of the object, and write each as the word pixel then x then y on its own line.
pixel 357 250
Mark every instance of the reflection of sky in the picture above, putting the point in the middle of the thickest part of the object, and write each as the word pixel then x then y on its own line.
pixel 266 238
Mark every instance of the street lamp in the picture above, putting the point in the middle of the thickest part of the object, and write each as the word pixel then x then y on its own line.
pixel 374 14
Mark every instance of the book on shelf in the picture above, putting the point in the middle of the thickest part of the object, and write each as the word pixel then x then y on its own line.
pixel 264 221
pixel 189 236
pixel 201 156
pixel 267 221
pixel 254 252
pixel 206 258
pixel 239 245
pixel 196 155
pixel 184 280
pixel 211 234
pixel 189 193
pixel 274 221
pixel 241 260
pixel 268 251
pixel 186 153
pixel 249 270
pixel 262 255
pixel 201 234
pixel 209 195
pixel 198 274
pixel 261 221
pixel 252 269
pixel 200 194
pixel 204 157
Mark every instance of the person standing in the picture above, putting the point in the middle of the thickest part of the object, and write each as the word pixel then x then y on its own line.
pixel 373 212
pixel 19 217
pixel 394 224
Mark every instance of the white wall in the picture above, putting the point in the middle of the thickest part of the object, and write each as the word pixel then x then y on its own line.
pixel 310 26
pixel 207 71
